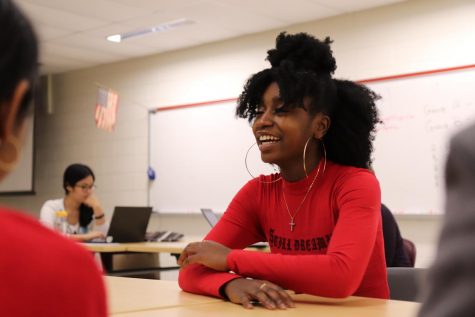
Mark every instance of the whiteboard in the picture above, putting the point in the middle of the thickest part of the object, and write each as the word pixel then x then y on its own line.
pixel 198 157
pixel 20 180
pixel 420 115
pixel 198 152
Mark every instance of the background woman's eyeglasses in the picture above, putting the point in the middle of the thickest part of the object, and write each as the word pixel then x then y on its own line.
pixel 86 187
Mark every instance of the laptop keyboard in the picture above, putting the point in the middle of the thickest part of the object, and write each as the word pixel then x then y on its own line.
pixel 163 236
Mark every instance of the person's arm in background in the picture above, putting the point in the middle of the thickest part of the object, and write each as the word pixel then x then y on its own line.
pixel 393 245
pixel 99 220
pixel 452 276
pixel 401 258
pixel 84 237
pixel 389 235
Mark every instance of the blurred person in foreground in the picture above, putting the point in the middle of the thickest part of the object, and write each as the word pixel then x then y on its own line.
pixel 43 273
pixel 451 279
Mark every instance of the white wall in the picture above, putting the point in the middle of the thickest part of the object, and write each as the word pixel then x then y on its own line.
pixel 407 37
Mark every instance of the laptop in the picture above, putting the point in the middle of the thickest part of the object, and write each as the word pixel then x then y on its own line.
pixel 128 224
pixel 212 219
pixel 210 216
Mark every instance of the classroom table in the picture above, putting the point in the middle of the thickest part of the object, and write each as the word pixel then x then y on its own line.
pixel 159 247
pixel 151 247
pixel 147 298
pixel 133 294
pixel 108 250
pixel 105 247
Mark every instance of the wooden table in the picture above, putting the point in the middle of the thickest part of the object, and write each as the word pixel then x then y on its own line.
pixel 159 247
pixel 150 298
pixel 105 247
pixel 108 250
pixel 151 247
pixel 132 295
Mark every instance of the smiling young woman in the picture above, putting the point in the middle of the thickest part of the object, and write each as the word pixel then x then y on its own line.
pixel 321 212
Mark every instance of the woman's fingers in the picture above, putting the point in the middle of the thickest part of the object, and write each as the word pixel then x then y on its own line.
pixel 272 296
pixel 288 301
pixel 276 298
pixel 246 302
pixel 182 258
pixel 265 300
pixel 248 292
pixel 189 250
pixel 208 253
pixel 280 297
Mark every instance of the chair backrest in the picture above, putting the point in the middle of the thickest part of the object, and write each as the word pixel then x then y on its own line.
pixel 410 249
pixel 405 282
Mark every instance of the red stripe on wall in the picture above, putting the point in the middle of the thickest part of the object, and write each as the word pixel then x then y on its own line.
pixel 427 72
pixel 189 105
pixel 363 81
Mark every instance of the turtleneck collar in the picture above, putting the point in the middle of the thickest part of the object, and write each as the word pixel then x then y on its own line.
pixel 300 187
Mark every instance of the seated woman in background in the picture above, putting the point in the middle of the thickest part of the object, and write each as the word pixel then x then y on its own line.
pixel 85 217
pixel 42 273
pixel 322 213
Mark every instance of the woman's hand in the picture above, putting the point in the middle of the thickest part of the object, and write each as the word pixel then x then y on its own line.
pixel 207 253
pixel 93 202
pixel 84 237
pixel 94 234
pixel 245 291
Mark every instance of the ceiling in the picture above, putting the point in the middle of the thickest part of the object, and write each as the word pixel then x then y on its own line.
pixel 73 32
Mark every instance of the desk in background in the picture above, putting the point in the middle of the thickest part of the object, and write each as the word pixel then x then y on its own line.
pixel 108 250
pixel 150 298
pixel 151 247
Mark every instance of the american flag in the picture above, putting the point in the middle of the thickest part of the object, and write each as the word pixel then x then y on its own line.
pixel 106 109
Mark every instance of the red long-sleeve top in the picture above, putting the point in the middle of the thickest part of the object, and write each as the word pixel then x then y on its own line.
pixel 335 250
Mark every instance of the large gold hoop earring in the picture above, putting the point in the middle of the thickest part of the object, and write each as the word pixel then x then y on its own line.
pixel 14 147
pixel 247 167
pixel 304 156
pixel 305 153
pixel 324 155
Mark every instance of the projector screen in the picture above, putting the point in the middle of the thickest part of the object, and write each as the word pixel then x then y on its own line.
pixel 20 180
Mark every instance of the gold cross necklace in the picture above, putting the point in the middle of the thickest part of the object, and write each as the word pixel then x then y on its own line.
pixel 292 217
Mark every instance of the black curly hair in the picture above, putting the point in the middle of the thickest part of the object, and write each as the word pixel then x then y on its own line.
pixel 302 66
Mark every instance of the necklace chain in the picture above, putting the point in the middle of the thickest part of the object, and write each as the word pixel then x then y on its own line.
pixel 292 217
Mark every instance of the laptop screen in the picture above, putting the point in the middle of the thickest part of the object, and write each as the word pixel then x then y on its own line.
pixel 210 216
pixel 212 219
pixel 129 224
